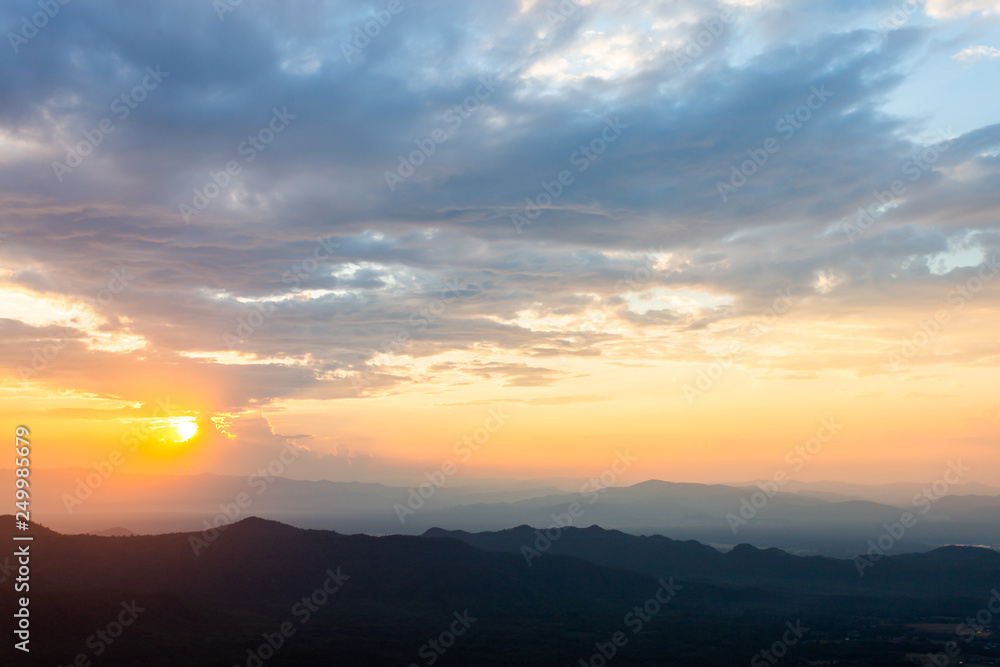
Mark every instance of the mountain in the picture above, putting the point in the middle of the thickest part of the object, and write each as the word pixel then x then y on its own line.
pixel 899 493
pixel 81 499
pixel 117 531
pixel 725 516
pixel 260 592
pixel 805 522
pixel 955 569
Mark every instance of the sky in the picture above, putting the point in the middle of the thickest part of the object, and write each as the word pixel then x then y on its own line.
pixel 519 236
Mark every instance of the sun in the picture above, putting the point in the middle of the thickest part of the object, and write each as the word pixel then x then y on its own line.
pixel 186 428
pixel 172 436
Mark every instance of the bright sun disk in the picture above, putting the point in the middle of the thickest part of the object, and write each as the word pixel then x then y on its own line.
pixel 186 427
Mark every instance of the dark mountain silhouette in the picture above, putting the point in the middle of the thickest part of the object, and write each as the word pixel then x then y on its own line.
pixel 958 569
pixel 395 594
pixel 117 531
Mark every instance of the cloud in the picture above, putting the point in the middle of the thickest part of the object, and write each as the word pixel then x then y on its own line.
pixel 974 53
pixel 950 9
pixel 548 400
pixel 305 276
pixel 509 374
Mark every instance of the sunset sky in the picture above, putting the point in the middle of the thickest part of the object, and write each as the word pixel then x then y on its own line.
pixel 581 226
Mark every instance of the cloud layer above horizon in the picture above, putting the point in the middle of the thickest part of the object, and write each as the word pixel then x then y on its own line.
pixel 269 205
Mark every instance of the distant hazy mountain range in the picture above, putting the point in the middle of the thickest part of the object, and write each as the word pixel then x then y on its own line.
pixel 817 518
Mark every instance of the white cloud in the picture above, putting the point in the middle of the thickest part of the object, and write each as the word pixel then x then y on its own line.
pixel 974 53
pixel 41 310
pixel 950 9
pixel 956 257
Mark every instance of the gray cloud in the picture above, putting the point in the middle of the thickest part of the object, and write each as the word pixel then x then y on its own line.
pixel 653 190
